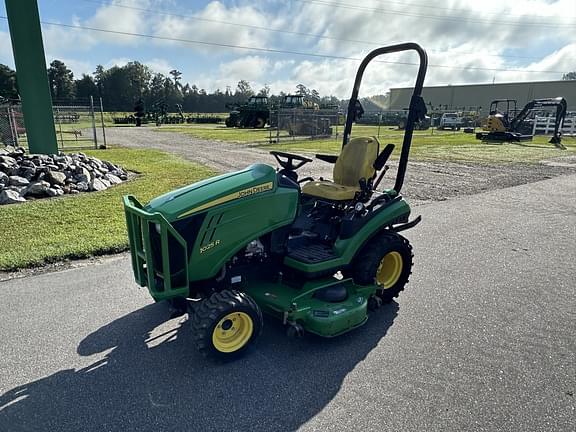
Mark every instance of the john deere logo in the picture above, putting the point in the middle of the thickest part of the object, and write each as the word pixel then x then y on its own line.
pixel 255 190
pixel 240 194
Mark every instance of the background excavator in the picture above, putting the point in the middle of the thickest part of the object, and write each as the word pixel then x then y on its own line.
pixel 500 127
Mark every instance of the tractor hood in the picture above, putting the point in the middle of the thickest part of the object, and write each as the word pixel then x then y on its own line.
pixel 214 191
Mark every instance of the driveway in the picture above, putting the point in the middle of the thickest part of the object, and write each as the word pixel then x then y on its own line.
pixel 481 340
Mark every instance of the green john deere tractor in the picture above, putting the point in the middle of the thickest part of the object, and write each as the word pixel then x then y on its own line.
pixel 253 114
pixel 316 254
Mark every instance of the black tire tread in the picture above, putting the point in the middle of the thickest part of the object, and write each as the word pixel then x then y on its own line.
pixel 368 259
pixel 211 308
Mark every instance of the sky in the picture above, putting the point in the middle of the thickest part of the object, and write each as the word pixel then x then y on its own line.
pixel 318 43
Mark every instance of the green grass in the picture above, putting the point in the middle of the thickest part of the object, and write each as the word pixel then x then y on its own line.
pixel 220 132
pixel 79 226
pixel 427 145
pixel 450 147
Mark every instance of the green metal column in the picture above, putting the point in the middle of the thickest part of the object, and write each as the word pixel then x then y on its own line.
pixel 26 35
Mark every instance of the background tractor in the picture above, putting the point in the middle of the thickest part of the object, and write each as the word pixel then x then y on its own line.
pixel 255 113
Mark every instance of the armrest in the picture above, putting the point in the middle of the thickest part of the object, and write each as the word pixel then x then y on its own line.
pixel 327 158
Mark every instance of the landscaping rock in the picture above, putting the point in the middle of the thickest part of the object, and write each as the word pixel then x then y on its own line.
pixel 27 172
pixel 39 176
pixel 52 192
pixel 18 181
pixel 82 187
pixel 20 189
pixel 8 196
pixel 82 175
pixel 56 177
pixel 97 185
pixel 38 188
pixel 6 168
pixel 14 151
pixel 113 179
pixel 8 160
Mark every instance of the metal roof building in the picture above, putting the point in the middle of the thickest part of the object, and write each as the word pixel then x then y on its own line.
pixel 473 96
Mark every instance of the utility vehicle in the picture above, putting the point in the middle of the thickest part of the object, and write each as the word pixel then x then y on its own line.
pixel 314 253
pixel 450 121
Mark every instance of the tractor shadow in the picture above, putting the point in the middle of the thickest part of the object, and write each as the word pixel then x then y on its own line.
pixel 148 377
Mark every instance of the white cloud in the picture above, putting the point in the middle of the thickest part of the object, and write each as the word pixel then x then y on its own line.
pixel 250 68
pixel 156 64
pixel 62 40
pixel 281 65
pixel 119 19
pixel 206 25
pixel 131 19
pixel 477 36
pixel 159 65
pixel 119 61
pixel 78 67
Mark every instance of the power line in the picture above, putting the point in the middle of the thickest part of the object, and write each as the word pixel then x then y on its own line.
pixel 277 51
pixel 406 5
pixel 433 17
pixel 312 35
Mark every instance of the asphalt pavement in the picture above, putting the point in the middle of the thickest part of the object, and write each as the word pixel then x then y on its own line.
pixel 483 339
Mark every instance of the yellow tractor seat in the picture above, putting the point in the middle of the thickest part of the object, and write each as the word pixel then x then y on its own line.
pixel 330 191
pixel 356 161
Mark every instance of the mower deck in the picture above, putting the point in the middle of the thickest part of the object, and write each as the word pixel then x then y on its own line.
pixel 307 306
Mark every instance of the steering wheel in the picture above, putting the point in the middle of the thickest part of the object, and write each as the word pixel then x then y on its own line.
pixel 288 160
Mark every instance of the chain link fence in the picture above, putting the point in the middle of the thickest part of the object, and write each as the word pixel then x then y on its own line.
pixel 295 124
pixel 11 124
pixel 76 125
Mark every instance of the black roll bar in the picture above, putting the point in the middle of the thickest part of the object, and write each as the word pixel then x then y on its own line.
pixel 417 107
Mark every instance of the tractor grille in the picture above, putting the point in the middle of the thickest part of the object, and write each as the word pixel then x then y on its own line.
pixel 159 252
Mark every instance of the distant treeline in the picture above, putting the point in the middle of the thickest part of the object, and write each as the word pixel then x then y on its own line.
pixel 121 86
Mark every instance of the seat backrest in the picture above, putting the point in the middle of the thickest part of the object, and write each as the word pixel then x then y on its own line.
pixel 356 161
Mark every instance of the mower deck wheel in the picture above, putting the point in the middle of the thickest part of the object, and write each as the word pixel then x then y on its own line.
pixel 226 324
pixel 386 260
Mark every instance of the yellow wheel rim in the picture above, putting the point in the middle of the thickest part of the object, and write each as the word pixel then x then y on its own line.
pixel 389 270
pixel 232 332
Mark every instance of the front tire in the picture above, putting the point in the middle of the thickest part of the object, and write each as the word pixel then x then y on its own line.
pixel 226 324
pixel 386 261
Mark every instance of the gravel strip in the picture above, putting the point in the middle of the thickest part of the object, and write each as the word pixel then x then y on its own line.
pixel 425 181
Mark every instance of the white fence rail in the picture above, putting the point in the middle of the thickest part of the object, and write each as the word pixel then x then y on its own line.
pixel 545 126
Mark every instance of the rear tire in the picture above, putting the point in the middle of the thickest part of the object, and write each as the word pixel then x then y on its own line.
pixel 387 261
pixel 226 324
pixel 259 123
